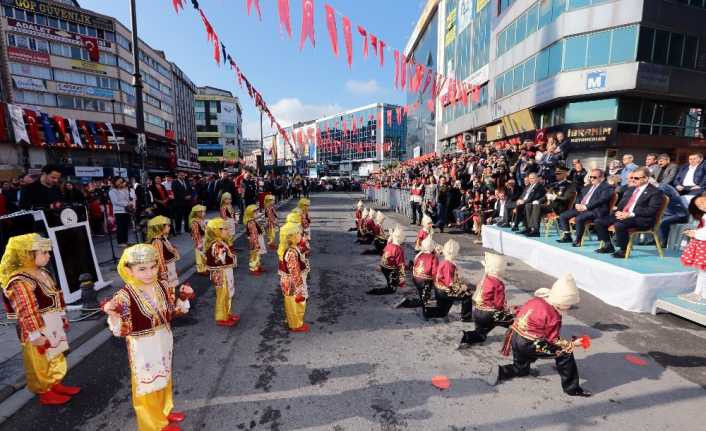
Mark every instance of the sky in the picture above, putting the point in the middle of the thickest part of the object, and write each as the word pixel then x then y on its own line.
pixel 297 85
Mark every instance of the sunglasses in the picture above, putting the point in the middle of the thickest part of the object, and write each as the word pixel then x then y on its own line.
pixel 593 178
pixel 636 178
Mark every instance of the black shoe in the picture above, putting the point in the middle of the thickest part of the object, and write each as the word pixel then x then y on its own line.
pixel 380 291
pixel 524 232
pixel 579 393
pixel 565 239
pixel 515 228
pixel 606 250
pixel 503 225
pixel 620 254
pixel 576 244
pixel 533 234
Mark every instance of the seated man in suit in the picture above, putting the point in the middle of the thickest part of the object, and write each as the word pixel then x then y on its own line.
pixel 667 170
pixel 512 193
pixel 593 202
pixel 534 192
pixel 636 210
pixel 691 178
pixel 556 200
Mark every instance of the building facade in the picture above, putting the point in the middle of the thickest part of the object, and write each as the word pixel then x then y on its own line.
pixel 184 121
pixel 69 70
pixel 614 76
pixel 218 128
pixel 248 146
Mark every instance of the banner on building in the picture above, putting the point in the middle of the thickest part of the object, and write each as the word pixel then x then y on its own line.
pixel 88 171
pixel 49 33
pixel 24 83
pixel 18 124
pixel 28 56
pixel 54 10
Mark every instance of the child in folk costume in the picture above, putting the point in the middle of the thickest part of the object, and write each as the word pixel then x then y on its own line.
pixel 271 216
pixel 198 230
pixel 427 230
pixel 362 229
pixel 295 217
pixel 304 205
pixel 158 235
pixel 535 335
pixel 141 312
pixel 392 264
pixel 357 216
pixel 221 262
pixel 489 304
pixel 229 215
pixel 32 298
pixel 255 239
pixel 448 286
pixel 424 269
pixel 694 254
pixel 377 232
pixel 292 266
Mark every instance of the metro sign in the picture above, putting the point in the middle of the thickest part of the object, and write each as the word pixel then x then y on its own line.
pixel 596 80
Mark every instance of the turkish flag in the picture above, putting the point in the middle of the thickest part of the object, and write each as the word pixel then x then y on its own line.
pixel 257 8
pixel 389 118
pixel 33 127
pixel 331 25
pixel 475 93
pixel 381 44
pixel 284 16
pixel 91 45
pixel 403 70
pixel 307 23
pixel 88 137
pixel 348 40
pixel 397 68
pixel 61 125
pixel 399 115
pixel 364 35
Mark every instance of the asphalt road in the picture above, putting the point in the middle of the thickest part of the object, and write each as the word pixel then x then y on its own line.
pixel 368 366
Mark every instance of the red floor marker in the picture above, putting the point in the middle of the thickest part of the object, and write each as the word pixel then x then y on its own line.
pixel 635 360
pixel 441 382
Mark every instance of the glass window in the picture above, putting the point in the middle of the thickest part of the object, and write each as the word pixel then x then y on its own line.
pixel 594 110
pixel 529 72
pixel 545 12
pixel 629 110
pixel 661 46
pixel 510 35
pixel 532 17
pixel 517 78
pixel 575 57
pixel 690 44
pixel 499 87
pixel 64 25
pixel 598 48
pixel 73 28
pixel 507 84
pixel 92 31
pixel 53 22
pixel 20 14
pixel 558 7
pixel 501 42
pixel 8 11
pixel 30 70
pixel 623 44
pixel 542 65
pixel 42 20
pixel 555 53
pixel 644 46
pixel 29 16
pixel 66 102
pixel 521 30
pixel 676 48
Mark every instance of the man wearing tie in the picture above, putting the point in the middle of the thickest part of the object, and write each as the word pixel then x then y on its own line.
pixel 182 202
pixel 637 210
pixel 593 202
pixel 532 194
pixel 691 178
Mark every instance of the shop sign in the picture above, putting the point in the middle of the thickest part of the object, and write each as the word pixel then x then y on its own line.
pixel 596 80
pixel 55 11
pixel 24 83
pixel 88 66
pixel 600 134
pixel 518 122
pixel 120 172
pixel 99 92
pixel 169 134
pixel 28 56
pixel 450 28
pixel 89 171
pixel 67 88
pixel 49 33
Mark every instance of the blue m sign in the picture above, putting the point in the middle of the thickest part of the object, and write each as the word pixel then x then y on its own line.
pixel 596 80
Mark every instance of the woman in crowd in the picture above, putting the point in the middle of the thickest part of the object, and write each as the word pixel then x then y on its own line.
pixel 35 302
pixel 123 200
pixel 142 312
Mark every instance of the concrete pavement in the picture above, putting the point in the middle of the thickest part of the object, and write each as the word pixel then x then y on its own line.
pixel 366 365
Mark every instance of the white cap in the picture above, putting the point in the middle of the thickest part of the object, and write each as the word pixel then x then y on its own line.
pixel 494 264
pixel 426 220
pixel 563 293
pixel 397 235
pixel 379 217
pixel 427 245
pixel 451 249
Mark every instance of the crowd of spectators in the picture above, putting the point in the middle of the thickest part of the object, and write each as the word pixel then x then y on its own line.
pixel 114 204
pixel 517 185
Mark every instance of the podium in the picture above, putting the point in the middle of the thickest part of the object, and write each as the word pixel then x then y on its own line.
pixel 73 251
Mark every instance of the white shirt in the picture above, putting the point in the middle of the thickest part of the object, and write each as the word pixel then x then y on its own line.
pixel 636 194
pixel 527 193
pixel 689 178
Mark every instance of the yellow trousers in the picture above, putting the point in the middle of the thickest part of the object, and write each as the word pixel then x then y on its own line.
pixel 152 409
pixel 42 373
pixel 294 311
pixel 200 261
pixel 271 236
pixel 223 303
pixel 254 262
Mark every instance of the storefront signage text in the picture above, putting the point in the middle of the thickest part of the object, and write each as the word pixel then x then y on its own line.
pixel 60 12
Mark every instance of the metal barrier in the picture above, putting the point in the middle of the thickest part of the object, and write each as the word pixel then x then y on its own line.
pixel 390 198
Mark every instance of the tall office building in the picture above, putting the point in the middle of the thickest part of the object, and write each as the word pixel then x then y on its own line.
pixel 218 128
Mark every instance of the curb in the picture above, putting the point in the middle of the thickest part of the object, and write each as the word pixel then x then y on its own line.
pixel 14 396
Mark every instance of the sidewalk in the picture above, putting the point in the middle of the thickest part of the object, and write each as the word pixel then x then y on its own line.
pixel 12 373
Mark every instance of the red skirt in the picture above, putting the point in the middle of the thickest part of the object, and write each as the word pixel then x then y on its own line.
pixel 694 254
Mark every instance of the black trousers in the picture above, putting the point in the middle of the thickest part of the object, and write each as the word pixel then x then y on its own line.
pixel 524 353
pixel 122 222
pixel 181 217
pixel 534 213
pixel 444 302
pixel 520 214
pixel 416 212
pixel 581 219
pixel 366 238
pixel 392 278
pixel 621 229
pixel 485 322
pixel 379 245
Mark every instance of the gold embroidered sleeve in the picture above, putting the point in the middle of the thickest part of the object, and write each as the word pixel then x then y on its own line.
pixel 24 302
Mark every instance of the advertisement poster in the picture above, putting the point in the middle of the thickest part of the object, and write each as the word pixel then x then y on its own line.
pixel 28 56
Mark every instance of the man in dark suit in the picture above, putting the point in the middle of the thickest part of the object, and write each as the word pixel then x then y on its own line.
pixel 534 192
pixel 636 210
pixel 556 200
pixel 691 178
pixel 182 202
pixel 667 170
pixel 593 202
pixel 512 194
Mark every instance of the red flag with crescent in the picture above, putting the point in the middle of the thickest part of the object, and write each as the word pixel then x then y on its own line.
pixel 284 17
pixel 91 45
pixel 257 7
pixel 348 40
pixel 331 25
pixel 364 35
pixel 307 23
pixel 32 127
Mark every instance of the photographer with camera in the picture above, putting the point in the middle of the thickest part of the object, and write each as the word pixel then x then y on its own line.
pixel 123 200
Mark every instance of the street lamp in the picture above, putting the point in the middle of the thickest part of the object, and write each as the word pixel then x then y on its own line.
pixel 117 147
